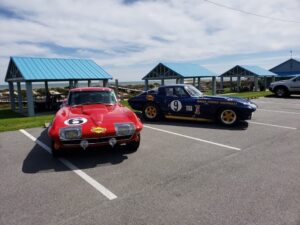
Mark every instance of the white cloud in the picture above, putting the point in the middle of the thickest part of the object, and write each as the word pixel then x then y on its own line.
pixel 124 37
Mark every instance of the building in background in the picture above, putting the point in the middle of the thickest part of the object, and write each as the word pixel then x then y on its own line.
pixel 287 69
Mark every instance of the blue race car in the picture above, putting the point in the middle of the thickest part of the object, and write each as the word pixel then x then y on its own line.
pixel 182 101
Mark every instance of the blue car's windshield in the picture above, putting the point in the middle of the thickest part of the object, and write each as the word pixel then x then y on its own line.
pixel 91 97
pixel 193 92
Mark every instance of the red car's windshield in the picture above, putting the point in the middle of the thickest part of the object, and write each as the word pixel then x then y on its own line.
pixel 91 97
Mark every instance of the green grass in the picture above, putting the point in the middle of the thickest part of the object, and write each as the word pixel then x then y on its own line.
pixel 10 120
pixel 125 103
pixel 13 121
pixel 252 94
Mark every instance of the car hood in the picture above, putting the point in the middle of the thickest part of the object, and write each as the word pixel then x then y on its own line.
pixel 279 82
pixel 100 114
pixel 226 98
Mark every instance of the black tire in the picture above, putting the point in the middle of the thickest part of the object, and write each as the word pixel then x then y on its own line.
pixel 151 112
pixel 281 92
pixel 134 145
pixel 228 117
pixel 55 152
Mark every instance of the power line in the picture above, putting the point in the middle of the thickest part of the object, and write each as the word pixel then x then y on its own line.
pixel 250 13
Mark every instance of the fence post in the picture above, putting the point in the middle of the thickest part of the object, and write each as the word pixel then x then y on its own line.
pixel 12 96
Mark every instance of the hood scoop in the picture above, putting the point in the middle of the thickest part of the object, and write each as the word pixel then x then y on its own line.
pixel 95 113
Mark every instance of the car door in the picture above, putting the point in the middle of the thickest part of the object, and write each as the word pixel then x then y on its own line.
pixel 295 84
pixel 178 102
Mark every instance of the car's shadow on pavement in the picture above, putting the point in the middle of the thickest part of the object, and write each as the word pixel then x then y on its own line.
pixel 39 160
pixel 240 125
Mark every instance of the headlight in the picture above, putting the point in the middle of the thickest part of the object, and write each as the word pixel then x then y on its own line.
pixel 253 105
pixel 250 104
pixel 124 129
pixel 70 133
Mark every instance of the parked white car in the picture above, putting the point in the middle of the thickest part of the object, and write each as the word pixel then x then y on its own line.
pixel 284 88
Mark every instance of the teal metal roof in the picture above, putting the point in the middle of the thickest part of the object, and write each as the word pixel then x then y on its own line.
pixel 54 69
pixel 190 70
pixel 258 70
pixel 178 70
pixel 248 70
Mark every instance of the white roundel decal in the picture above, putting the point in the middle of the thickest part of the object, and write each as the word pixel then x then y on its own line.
pixel 76 121
pixel 176 105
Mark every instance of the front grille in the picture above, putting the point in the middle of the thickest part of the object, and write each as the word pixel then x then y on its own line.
pixel 95 140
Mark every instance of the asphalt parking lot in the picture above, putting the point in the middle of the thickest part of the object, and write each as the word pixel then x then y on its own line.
pixel 183 173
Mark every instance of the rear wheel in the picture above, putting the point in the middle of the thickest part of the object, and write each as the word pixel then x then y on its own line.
pixel 281 92
pixel 228 117
pixel 151 112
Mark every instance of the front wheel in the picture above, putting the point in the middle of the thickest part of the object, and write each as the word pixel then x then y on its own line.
pixel 281 92
pixel 151 112
pixel 134 145
pixel 228 117
pixel 55 150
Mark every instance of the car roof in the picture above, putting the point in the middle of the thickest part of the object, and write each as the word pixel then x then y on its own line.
pixel 91 89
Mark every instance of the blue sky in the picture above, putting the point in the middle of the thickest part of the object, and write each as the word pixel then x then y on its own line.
pixel 129 37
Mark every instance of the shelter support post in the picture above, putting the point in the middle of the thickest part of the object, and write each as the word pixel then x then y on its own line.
pixel 177 80
pixel 162 82
pixel 29 95
pixel 89 83
pixel 20 100
pixel 46 87
pixel 238 84
pixel 11 96
pixel 213 86
pixel 105 83
pixel 70 84
pixel 75 83
pixel 47 94
pixel 230 83
pixel 194 81
pixel 117 87
pixel 265 83
pixel 181 80
pixel 222 83
pixel 273 78
pixel 146 85
pixel 255 83
pixel 199 83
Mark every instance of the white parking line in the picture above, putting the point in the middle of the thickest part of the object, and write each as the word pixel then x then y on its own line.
pixel 193 138
pixel 273 125
pixel 277 111
pixel 99 187
pixel 277 103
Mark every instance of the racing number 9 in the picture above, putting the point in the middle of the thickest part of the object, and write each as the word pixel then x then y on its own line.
pixel 176 105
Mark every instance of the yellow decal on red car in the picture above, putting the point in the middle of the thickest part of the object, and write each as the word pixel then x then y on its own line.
pixel 98 130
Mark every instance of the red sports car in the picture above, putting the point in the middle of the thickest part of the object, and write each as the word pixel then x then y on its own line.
pixel 93 117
